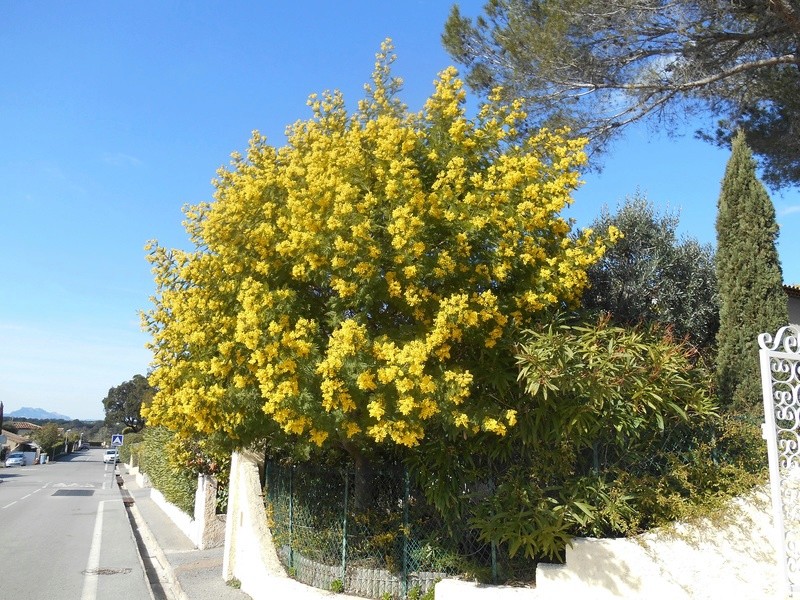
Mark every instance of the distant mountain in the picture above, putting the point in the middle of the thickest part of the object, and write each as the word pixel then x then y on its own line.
pixel 34 413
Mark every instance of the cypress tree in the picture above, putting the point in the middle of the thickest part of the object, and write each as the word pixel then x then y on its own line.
pixel 749 276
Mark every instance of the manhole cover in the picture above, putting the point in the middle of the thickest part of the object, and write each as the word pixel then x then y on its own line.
pixel 73 493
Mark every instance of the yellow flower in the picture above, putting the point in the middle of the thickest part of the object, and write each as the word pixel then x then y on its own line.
pixel 511 417
pixel 318 436
pixel 366 381
pixel 406 405
pixel 494 426
pixel 351 429
pixel 376 409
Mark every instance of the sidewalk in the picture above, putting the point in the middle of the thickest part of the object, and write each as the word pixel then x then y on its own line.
pixel 186 573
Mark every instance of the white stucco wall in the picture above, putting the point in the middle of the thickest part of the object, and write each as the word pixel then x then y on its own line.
pixel 184 522
pixel 205 529
pixel 209 526
pixel 250 555
pixel 730 557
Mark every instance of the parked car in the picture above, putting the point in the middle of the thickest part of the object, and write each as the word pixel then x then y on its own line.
pixel 15 459
pixel 111 456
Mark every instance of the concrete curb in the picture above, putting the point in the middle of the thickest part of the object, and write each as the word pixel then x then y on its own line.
pixel 166 574
pixel 178 569
pixel 141 530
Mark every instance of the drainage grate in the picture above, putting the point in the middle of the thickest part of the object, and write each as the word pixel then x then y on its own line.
pixel 73 493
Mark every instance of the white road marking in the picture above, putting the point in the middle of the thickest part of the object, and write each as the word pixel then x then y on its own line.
pixel 73 485
pixel 23 498
pixel 90 575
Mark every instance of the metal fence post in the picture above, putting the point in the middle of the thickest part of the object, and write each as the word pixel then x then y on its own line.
pixel 494 562
pixel 406 532
pixel 291 517
pixel 493 545
pixel 344 526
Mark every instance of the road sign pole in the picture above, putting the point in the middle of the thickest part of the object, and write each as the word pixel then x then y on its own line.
pixel 117 440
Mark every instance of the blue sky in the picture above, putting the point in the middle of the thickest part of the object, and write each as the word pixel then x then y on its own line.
pixel 115 115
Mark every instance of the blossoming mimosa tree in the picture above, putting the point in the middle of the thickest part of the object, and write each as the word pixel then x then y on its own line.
pixel 361 285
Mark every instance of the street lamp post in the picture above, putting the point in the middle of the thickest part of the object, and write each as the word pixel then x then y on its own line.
pixel 66 440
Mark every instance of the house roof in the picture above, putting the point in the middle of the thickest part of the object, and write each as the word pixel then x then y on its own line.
pixel 15 441
pixel 13 437
pixel 24 425
pixel 792 290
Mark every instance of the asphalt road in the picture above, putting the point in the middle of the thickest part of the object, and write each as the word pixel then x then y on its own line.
pixel 64 533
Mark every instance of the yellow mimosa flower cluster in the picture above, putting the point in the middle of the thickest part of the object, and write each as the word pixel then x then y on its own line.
pixel 363 281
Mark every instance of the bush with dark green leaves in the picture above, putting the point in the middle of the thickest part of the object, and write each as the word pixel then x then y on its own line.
pixel 620 433
pixel 177 483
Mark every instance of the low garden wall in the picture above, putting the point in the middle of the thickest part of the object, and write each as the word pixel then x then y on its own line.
pixel 729 556
pixel 725 557
pixel 250 555
pixel 205 528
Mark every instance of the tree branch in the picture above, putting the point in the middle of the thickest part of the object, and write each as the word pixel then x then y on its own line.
pixel 786 59
pixel 787 13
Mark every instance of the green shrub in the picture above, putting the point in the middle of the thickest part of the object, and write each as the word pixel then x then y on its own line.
pixel 234 583
pixel 619 433
pixel 177 483
pixel 131 446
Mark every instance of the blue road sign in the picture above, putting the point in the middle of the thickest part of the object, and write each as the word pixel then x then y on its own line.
pixel 116 439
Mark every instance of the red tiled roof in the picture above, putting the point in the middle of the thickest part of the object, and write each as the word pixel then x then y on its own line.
pixel 24 425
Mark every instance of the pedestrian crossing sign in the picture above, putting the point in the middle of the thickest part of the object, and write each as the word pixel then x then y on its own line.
pixel 116 439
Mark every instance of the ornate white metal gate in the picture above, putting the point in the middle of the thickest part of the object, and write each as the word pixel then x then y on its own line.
pixel 780 379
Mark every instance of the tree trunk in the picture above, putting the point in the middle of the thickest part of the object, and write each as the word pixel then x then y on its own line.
pixel 364 479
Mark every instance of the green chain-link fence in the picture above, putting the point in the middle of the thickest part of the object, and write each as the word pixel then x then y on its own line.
pixel 371 536
pixel 374 535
